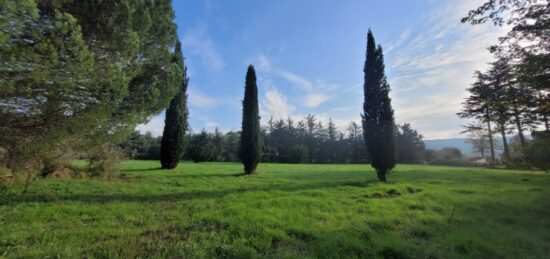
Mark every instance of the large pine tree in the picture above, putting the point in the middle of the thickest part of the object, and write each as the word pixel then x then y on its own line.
pixel 251 136
pixel 378 121
pixel 173 140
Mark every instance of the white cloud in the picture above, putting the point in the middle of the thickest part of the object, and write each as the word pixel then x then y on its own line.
pixel 295 79
pixel 199 99
pixel 314 100
pixel 197 44
pixel 276 105
pixel 263 63
pixel 155 125
pixel 430 73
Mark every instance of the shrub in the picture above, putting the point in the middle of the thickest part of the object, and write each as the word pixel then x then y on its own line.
pixel 538 151
pixel 105 161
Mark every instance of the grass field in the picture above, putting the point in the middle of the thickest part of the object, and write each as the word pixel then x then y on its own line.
pixel 205 210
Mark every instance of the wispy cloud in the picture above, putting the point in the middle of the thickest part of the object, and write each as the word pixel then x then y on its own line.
pixel 429 73
pixel 201 100
pixel 315 94
pixel 295 79
pixel 314 100
pixel 276 105
pixel 197 44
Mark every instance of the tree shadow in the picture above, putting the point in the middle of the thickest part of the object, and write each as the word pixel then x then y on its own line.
pixel 172 197
pixel 158 168
pixel 220 175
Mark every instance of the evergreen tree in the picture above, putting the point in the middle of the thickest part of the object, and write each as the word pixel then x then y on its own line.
pixel 251 141
pixel 79 74
pixel 202 147
pixel 479 106
pixel 410 145
pixel 378 121
pixel 175 123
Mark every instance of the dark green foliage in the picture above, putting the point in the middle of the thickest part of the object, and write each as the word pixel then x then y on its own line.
pixel 143 147
pixel 173 142
pixel 117 54
pixel 448 156
pixel 251 135
pixel 410 146
pixel 538 151
pixel 229 150
pixel 202 148
pixel 378 121
pixel 297 154
pixel 479 106
pixel 518 82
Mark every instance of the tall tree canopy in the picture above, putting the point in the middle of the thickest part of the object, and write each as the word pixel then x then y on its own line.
pixel 81 72
pixel 251 135
pixel 173 140
pixel 527 44
pixel 378 121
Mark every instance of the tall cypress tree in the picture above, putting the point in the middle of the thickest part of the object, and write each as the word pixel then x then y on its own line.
pixel 173 140
pixel 378 121
pixel 251 142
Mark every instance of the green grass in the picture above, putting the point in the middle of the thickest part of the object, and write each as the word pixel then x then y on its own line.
pixel 295 211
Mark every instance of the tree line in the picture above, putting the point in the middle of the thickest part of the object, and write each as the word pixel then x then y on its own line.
pixel 287 141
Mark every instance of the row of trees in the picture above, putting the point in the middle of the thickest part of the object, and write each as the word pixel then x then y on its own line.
pixel 308 141
pixel 287 141
pixel 513 95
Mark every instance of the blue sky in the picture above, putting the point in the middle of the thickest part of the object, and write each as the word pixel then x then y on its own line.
pixel 309 57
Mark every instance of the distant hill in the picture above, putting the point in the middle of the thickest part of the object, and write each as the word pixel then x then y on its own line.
pixel 459 143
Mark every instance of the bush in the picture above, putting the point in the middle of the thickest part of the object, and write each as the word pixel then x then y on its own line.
pixel 537 152
pixel 446 156
pixel 105 161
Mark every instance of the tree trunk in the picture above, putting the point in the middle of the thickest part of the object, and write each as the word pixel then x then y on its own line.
pixel 504 141
pixel 490 132
pixel 382 175
pixel 520 127
pixel 547 126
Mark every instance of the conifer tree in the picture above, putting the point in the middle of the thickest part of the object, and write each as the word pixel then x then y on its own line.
pixel 175 123
pixel 378 121
pixel 251 142
pixel 479 106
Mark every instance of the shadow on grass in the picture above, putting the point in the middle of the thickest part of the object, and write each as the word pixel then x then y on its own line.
pixel 148 198
pixel 191 176
pixel 158 168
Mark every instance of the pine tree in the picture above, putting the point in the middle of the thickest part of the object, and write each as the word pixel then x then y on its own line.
pixel 378 121
pixel 251 142
pixel 79 75
pixel 479 106
pixel 175 123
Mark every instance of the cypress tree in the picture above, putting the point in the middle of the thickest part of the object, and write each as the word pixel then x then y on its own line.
pixel 378 121
pixel 251 142
pixel 173 142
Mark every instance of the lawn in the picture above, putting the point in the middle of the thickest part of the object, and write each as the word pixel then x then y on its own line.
pixel 287 211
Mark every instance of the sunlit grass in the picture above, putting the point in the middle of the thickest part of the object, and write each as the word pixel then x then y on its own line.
pixel 211 210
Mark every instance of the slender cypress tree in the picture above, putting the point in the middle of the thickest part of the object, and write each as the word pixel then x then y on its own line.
pixel 378 121
pixel 251 142
pixel 173 142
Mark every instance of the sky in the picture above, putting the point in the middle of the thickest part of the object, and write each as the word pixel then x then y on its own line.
pixel 309 57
